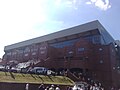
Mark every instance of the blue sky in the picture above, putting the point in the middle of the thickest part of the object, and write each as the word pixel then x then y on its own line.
pixel 25 19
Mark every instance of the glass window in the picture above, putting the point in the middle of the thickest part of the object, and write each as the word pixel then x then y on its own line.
pixel 100 49
pixel 27 49
pixel 43 48
pixel 9 53
pixel 96 39
pixel 101 61
pixel 65 43
pixel 14 53
pixel 90 38
pixel 81 49
pixel 20 51
pixel 34 53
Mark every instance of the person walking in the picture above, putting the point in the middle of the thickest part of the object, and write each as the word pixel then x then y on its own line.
pixel 52 87
pixel 41 87
pixel 27 86
pixel 57 88
pixel 47 88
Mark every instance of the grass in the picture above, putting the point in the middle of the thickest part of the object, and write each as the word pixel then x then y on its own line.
pixel 32 78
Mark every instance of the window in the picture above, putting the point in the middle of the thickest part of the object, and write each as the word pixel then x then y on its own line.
pixel 9 53
pixel 26 54
pixel 14 53
pixel 100 49
pixel 70 52
pixel 42 52
pixel 65 43
pixel 81 49
pixel 34 53
pixel 101 61
pixel 34 49
pixel 89 38
pixel 20 51
pixel 43 48
pixel 96 39
pixel 27 49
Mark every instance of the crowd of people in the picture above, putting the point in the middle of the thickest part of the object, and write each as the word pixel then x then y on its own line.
pixel 52 87
pixel 88 87
pixel 76 87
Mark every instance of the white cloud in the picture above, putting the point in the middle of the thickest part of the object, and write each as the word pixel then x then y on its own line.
pixel 103 5
pixel 58 2
pixel 88 3
pixel 68 3
pixel 93 0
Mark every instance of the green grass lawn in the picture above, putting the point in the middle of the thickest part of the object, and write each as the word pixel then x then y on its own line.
pixel 32 78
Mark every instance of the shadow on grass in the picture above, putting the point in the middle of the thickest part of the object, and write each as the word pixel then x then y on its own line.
pixel 5 73
pixel 11 74
pixel 41 78
pixel 22 74
pixel 50 78
pixel 33 76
